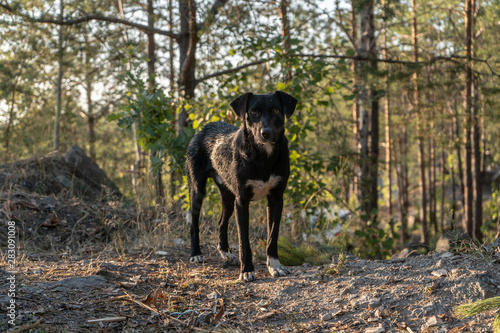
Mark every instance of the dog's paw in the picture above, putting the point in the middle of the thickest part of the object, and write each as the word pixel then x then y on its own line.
pixel 227 256
pixel 276 268
pixel 197 259
pixel 247 276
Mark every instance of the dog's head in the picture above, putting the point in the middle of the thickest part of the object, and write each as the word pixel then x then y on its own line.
pixel 264 115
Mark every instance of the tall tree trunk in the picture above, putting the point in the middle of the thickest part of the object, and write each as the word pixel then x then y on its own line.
pixel 369 123
pixel 188 41
pixel 420 131
pixel 285 33
pixel 173 123
pixel 443 187
pixel 468 222
pixel 476 137
pixel 402 180
pixel 387 117
pixel 432 176
pixel 158 179
pixel 136 167
pixel 60 48
pixel 355 102
pixel 456 138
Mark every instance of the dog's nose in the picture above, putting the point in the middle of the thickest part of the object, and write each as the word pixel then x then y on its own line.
pixel 266 133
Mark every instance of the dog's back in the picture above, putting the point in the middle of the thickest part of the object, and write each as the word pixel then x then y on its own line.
pixel 198 156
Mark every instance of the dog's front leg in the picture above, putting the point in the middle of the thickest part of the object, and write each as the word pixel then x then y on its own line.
pixel 274 211
pixel 242 220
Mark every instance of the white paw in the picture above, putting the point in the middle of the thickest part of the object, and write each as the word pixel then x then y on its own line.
pixel 227 256
pixel 247 276
pixel 197 259
pixel 276 268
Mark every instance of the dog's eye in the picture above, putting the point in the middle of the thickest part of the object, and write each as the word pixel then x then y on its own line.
pixel 254 113
pixel 276 111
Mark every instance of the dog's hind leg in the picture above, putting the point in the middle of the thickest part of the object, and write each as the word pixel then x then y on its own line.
pixel 196 195
pixel 227 198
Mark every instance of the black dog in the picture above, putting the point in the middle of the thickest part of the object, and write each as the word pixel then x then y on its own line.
pixel 247 164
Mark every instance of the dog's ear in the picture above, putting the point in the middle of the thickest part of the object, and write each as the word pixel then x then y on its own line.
pixel 288 102
pixel 240 104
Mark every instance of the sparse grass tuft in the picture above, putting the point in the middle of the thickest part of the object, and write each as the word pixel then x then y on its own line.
pixel 336 269
pixel 291 255
pixel 471 309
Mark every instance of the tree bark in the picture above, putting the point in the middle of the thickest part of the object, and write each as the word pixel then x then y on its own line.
pixel 476 137
pixel 387 117
pixel 10 122
pixel 158 179
pixel 285 33
pixel 355 102
pixel 420 131
pixel 368 128
pixel 59 78
pixel 468 222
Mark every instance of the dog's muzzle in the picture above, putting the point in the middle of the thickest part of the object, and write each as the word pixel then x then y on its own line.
pixel 266 134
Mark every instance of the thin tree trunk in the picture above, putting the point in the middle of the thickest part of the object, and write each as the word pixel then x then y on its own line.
pixel 432 177
pixel 285 33
pixel 402 186
pixel 443 188
pixel 173 123
pixel 158 179
pixel 136 167
pixel 355 104
pixel 368 104
pixel 476 138
pixel 387 118
pixel 468 222
pixel 420 132
pixel 456 135
pixel 187 54
pixel 10 122
pixel 59 78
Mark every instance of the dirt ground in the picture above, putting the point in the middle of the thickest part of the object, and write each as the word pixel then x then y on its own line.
pixel 77 270
pixel 162 292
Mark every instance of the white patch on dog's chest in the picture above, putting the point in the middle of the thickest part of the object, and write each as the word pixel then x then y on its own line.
pixel 261 188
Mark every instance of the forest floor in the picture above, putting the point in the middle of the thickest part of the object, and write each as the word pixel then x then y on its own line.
pixel 70 277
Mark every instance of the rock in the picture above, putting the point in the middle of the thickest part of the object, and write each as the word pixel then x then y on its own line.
pixel 366 301
pixel 431 322
pixel 179 241
pixel 84 167
pixel 446 255
pixel 326 317
pixel 79 282
pixel 378 329
pixel 494 246
pixel 161 253
pixel 440 273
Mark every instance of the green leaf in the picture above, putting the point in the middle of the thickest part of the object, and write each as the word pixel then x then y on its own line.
pixel 280 86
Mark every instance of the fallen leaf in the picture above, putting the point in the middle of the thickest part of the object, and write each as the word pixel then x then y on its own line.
pixel 219 315
pixel 266 315
pixel 127 284
pixel 8 207
pixel 155 298
pixel 52 221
